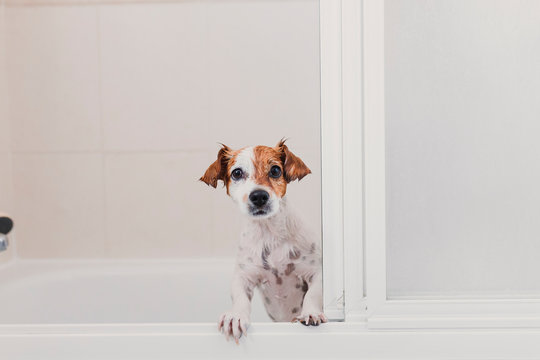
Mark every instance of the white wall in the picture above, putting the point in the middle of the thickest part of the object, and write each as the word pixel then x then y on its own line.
pixel 463 111
pixel 116 111
pixel 5 156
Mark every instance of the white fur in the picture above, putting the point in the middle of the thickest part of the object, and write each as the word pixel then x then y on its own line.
pixel 275 246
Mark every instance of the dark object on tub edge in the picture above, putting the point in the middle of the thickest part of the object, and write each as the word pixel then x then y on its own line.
pixel 6 224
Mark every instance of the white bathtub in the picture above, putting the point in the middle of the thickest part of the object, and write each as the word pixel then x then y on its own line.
pixel 104 292
pixel 56 309
pixel 168 309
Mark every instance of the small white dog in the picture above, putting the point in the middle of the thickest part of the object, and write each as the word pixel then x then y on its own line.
pixel 277 253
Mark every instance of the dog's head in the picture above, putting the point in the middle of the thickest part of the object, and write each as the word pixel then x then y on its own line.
pixel 256 177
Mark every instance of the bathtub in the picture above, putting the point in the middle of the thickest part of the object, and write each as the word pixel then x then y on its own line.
pixel 104 292
pixel 66 309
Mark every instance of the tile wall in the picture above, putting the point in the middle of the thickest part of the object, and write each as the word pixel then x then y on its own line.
pixel 5 150
pixel 115 112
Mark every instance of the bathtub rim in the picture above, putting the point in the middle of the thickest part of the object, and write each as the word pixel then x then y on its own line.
pixel 202 328
pixel 273 340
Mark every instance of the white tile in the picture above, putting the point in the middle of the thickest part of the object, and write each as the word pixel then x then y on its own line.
pixel 154 76
pixel 59 205
pixel 53 78
pixel 156 207
pixel 5 182
pixel 264 71
pixel 4 119
pixel 5 140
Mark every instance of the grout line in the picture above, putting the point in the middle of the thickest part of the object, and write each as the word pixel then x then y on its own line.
pixel 126 261
pixel 115 152
pixel 39 3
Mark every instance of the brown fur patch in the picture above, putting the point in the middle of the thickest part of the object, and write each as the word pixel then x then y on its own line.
pixel 220 169
pixel 217 170
pixel 264 258
pixel 264 158
pixel 290 269
pixel 279 280
pixel 249 293
pixel 294 168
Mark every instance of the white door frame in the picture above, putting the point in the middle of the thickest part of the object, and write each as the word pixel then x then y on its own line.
pixel 331 157
pixel 341 146
pixel 354 190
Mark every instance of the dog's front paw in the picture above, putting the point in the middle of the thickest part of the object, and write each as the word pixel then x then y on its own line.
pixel 313 318
pixel 233 324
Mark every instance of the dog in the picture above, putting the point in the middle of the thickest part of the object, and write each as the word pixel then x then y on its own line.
pixel 277 253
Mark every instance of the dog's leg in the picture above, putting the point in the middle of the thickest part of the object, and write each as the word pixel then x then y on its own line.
pixel 312 313
pixel 235 322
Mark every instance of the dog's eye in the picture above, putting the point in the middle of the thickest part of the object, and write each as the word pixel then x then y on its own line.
pixel 275 172
pixel 237 174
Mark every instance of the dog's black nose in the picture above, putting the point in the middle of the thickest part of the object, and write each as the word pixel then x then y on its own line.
pixel 259 197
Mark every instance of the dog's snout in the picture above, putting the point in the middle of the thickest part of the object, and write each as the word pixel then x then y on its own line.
pixel 259 197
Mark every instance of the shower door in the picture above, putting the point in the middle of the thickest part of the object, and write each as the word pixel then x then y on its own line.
pixel 439 147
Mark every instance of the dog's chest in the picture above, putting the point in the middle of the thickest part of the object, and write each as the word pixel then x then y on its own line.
pixel 277 266
pixel 283 274
pixel 281 280
pixel 279 262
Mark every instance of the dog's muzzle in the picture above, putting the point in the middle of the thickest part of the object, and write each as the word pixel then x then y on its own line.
pixel 259 202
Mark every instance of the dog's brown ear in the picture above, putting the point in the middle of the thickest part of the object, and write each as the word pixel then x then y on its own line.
pixel 218 169
pixel 293 167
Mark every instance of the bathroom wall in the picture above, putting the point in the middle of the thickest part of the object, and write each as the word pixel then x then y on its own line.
pixel 5 156
pixel 116 111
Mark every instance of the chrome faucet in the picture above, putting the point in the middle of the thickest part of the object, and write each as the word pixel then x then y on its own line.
pixel 6 224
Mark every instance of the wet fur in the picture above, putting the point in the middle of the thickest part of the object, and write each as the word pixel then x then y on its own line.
pixel 277 253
